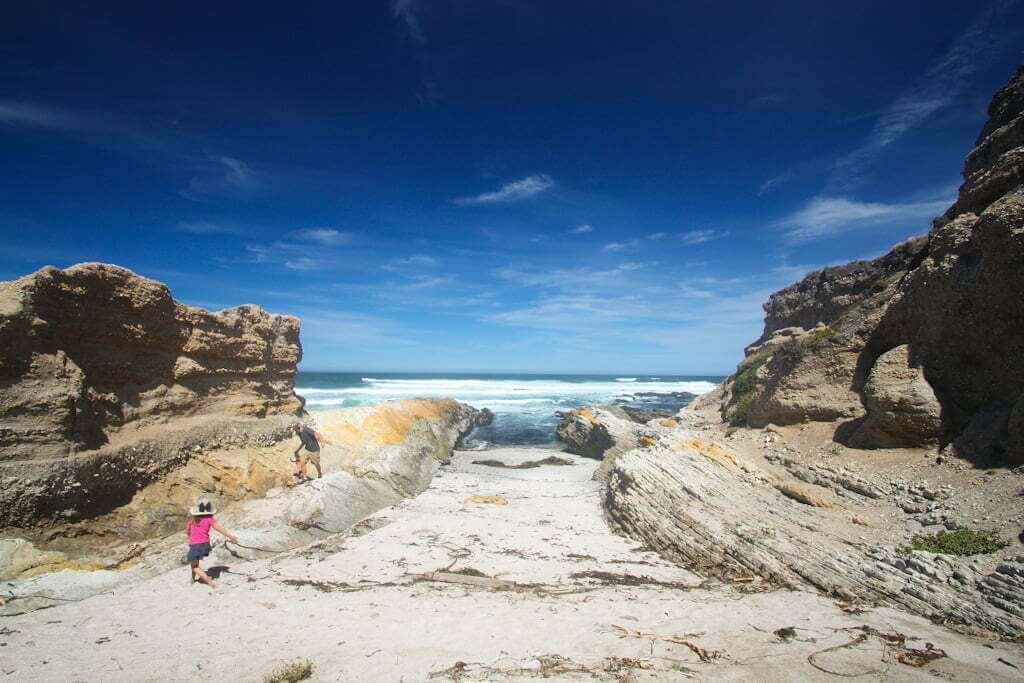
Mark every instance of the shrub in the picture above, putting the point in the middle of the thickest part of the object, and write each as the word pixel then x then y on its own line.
pixel 299 670
pixel 817 336
pixel 959 542
pixel 744 383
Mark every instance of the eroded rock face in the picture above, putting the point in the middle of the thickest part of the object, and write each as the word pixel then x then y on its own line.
pixel 954 297
pixel 699 505
pixel 106 382
pixel 902 409
pixel 605 432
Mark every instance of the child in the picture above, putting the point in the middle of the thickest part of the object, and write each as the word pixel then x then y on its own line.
pixel 200 521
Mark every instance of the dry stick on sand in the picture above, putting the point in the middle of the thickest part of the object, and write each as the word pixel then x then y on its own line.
pixel 702 654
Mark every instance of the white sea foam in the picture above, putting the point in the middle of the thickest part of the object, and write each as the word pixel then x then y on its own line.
pixel 509 394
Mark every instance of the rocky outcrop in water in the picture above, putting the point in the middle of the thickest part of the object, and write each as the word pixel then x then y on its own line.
pixel 923 345
pixel 605 432
pixel 107 383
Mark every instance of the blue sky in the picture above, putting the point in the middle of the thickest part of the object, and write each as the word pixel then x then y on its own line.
pixel 505 185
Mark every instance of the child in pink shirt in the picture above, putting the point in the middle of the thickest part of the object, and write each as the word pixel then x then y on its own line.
pixel 200 521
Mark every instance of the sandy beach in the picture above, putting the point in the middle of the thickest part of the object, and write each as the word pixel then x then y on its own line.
pixel 537 586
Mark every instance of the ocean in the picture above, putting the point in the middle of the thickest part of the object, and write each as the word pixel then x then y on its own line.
pixel 524 405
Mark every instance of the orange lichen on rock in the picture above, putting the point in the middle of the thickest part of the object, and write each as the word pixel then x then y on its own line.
pixel 669 422
pixel 386 425
pixel 587 415
pixel 646 441
pixel 710 451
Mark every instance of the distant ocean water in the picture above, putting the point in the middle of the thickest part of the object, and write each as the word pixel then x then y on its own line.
pixel 524 405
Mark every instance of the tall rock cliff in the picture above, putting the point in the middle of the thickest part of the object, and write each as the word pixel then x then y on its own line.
pixel 923 346
pixel 106 382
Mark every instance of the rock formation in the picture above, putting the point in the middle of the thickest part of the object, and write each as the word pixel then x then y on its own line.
pixel 107 383
pixel 605 432
pixel 374 457
pixel 720 516
pixel 922 345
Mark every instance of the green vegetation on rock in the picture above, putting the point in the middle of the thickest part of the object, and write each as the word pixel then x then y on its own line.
pixel 744 384
pixel 299 670
pixel 814 337
pixel 959 542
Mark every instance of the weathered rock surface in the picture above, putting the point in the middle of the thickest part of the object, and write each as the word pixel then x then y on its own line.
pixel 107 383
pixel 704 507
pixel 376 456
pixel 605 432
pixel 901 406
pixel 951 300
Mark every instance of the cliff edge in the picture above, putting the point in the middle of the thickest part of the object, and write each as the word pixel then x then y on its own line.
pixel 921 347
pixel 107 382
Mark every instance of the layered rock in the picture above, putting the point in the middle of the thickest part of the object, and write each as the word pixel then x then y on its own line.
pixel 373 457
pixel 921 345
pixel 702 506
pixel 107 383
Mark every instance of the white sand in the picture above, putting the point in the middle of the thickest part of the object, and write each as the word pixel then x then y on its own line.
pixel 163 629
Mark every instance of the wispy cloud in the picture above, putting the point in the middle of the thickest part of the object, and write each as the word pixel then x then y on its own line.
pixel 209 228
pixel 223 176
pixel 621 246
pixel 413 262
pixel 325 236
pixel 828 216
pixel 701 236
pixel 304 263
pixel 657 236
pixel 408 14
pixel 771 184
pixel 531 186
pixel 973 49
pixel 33 115
pixel 582 229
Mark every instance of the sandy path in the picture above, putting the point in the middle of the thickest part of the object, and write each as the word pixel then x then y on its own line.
pixel 371 618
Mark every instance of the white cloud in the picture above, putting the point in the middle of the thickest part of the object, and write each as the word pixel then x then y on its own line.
pixel 328 237
pixel 827 216
pixel 303 263
pixel 224 176
pixel 518 190
pixel 411 262
pixel 769 185
pixel 972 50
pixel 27 114
pixel 582 229
pixel 657 236
pixel 701 236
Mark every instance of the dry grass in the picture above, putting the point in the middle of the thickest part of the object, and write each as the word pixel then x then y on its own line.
pixel 299 670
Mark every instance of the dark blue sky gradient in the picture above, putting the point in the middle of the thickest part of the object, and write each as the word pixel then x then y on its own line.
pixel 345 162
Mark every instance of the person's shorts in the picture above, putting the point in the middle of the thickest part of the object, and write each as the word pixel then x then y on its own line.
pixel 197 551
pixel 305 456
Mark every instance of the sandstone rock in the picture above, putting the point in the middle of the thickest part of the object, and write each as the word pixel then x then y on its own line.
pixel 953 297
pixel 377 456
pixel 901 407
pixel 98 366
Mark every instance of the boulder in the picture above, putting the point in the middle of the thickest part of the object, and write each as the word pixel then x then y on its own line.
pixel 902 409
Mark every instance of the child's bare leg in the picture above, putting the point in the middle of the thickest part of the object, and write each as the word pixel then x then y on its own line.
pixel 199 575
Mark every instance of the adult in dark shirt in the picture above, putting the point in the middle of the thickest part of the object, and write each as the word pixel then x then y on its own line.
pixel 309 440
